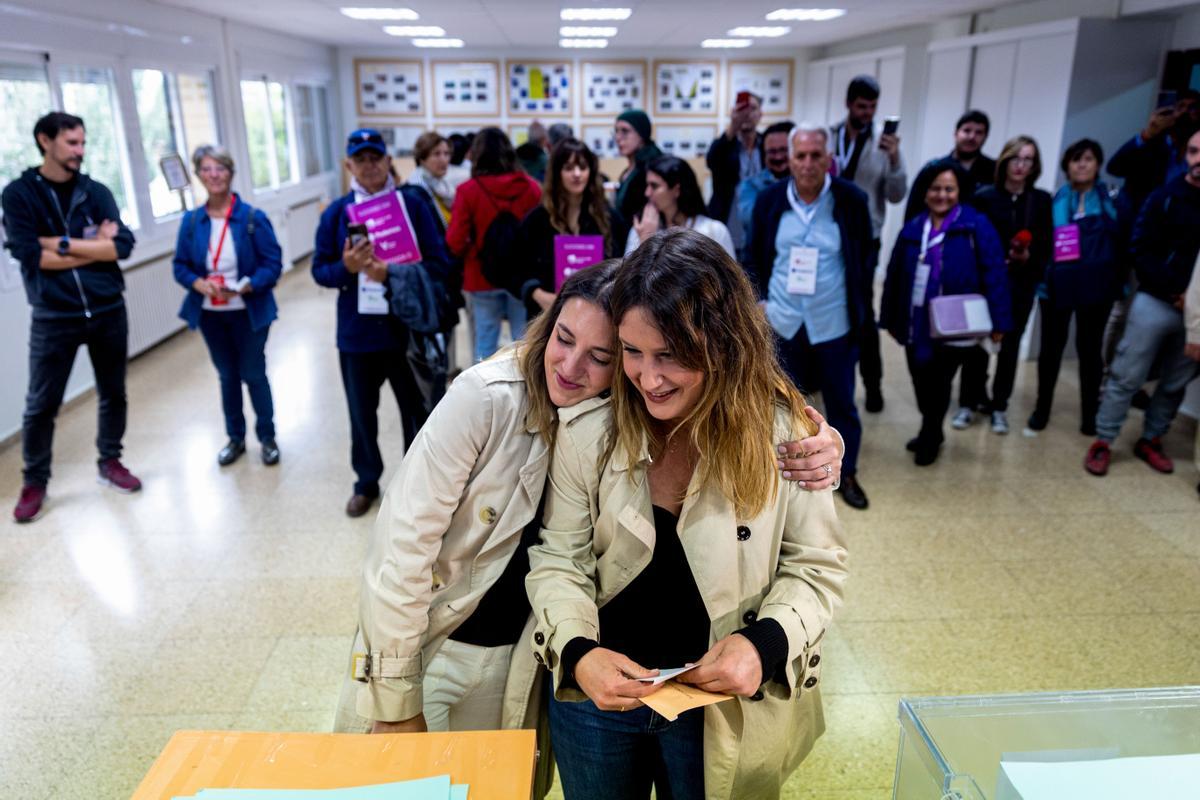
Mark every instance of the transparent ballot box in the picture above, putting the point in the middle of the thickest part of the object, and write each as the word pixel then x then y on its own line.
pixel 1093 745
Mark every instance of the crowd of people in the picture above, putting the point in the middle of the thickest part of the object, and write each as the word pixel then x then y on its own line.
pixel 648 428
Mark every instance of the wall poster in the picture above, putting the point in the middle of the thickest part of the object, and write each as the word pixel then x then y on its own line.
pixel 770 80
pixel 539 88
pixel 389 88
pixel 600 139
pixel 685 141
pixel 685 88
pixel 466 88
pixel 609 87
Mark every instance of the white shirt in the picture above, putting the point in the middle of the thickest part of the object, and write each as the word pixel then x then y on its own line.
pixel 227 265
pixel 701 224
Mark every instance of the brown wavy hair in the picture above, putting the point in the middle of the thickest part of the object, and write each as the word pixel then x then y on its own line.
pixel 1012 148
pixel 554 196
pixel 593 284
pixel 703 305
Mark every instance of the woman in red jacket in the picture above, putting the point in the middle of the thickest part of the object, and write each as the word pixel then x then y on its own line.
pixel 497 197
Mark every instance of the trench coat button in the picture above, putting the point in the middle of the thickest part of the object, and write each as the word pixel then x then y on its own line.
pixel 537 657
pixel 487 515
pixel 757 696
pixel 749 617
pixel 816 659
pixel 743 533
pixel 811 682
pixel 539 639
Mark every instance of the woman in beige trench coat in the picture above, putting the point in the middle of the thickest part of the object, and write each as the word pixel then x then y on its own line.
pixel 685 547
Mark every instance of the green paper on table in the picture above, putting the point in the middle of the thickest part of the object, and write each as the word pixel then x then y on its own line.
pixel 435 788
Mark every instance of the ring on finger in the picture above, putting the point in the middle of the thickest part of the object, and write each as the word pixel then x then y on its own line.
pixel 828 469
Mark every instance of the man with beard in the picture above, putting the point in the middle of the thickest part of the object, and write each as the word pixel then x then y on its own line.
pixel 970 134
pixel 871 159
pixel 1156 154
pixel 733 157
pixel 775 158
pixel 65 230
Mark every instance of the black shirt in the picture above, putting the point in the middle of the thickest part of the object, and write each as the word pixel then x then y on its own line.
pixel 63 192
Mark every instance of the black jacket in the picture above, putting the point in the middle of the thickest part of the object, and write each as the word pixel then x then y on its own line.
pixel 1031 210
pixel 535 244
pixel 725 163
pixel 1166 239
pixel 31 211
pixel 853 219
pixel 1143 165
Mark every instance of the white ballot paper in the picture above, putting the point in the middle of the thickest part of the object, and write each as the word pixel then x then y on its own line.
pixel 665 675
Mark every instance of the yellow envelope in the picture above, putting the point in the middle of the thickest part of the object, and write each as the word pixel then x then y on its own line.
pixel 675 698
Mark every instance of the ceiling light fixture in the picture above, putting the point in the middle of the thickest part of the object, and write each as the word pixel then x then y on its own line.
pixel 727 43
pixel 414 30
pixel 768 32
pixel 575 31
pixel 381 13
pixel 594 14
pixel 589 43
pixel 437 42
pixel 805 14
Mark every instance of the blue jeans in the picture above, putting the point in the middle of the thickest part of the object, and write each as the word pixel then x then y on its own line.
pixel 613 755
pixel 487 309
pixel 240 356
pixel 1154 333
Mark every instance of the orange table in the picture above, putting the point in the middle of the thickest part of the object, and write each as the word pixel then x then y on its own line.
pixel 498 765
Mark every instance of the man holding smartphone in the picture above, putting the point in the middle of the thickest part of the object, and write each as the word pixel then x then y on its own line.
pixel 1156 154
pixel 733 157
pixel 871 159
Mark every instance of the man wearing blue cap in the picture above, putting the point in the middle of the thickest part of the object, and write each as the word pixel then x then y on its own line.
pixel 372 343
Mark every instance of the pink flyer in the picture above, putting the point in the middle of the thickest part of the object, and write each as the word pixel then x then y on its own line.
pixel 573 253
pixel 389 227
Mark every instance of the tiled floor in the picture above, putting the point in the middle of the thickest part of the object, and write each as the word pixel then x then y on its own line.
pixel 226 598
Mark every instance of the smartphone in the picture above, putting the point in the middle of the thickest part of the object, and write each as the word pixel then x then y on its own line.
pixel 1167 99
pixel 891 125
pixel 358 234
pixel 743 99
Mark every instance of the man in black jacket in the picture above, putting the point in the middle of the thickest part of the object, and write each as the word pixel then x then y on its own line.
pixel 65 230
pixel 970 134
pixel 734 156
pixel 812 260
pixel 1156 153
pixel 1165 244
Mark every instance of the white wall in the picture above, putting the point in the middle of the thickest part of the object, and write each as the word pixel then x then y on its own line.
pixel 134 33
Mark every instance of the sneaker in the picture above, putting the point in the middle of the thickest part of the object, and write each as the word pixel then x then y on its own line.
pixel 1151 451
pixel 114 474
pixel 1000 422
pixel 963 419
pixel 29 505
pixel 1097 459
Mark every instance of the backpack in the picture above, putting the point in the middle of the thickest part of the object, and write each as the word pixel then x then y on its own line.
pixel 499 246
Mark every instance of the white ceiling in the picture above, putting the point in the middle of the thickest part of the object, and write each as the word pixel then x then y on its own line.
pixel 657 24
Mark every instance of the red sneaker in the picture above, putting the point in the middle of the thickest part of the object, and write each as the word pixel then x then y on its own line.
pixel 1151 451
pixel 29 505
pixel 114 474
pixel 1097 458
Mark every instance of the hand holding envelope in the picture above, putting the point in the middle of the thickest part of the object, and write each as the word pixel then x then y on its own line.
pixel 674 698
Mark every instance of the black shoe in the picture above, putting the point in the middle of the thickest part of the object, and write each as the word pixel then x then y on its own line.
pixel 1037 421
pixel 874 402
pixel 358 505
pixel 1140 400
pixel 1088 428
pixel 852 492
pixel 912 444
pixel 270 453
pixel 231 452
pixel 926 454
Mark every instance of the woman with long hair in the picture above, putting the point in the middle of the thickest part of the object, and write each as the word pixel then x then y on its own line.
pixel 572 204
pixel 673 200
pixel 684 547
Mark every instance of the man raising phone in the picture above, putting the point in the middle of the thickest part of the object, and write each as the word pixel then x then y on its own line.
pixel 733 157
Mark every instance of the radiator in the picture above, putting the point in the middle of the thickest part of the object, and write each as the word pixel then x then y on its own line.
pixel 152 298
pixel 302 223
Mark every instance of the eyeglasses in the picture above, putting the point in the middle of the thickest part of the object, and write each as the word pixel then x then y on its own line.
pixel 622 131
pixel 217 170
pixel 1025 160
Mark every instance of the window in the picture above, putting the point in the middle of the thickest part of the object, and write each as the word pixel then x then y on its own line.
pixel 176 115
pixel 312 129
pixel 268 133
pixel 88 92
pixel 25 97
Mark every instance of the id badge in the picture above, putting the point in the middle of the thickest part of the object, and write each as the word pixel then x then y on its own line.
pixel 218 280
pixel 920 284
pixel 91 231
pixel 1066 243
pixel 371 297
pixel 802 271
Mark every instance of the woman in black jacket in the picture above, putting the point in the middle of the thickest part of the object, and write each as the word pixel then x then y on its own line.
pixel 1022 216
pixel 572 205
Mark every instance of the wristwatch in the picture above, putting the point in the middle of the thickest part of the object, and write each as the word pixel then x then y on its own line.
pixel 64 245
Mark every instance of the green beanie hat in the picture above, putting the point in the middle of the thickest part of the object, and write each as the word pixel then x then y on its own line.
pixel 638 120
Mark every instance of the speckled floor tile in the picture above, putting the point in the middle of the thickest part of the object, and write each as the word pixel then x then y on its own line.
pixel 858 749
pixel 274 607
pixel 35 753
pixel 206 675
pixel 302 674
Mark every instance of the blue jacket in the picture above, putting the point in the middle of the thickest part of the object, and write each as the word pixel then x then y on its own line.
pixel 370 333
pixel 853 218
pixel 258 256
pixel 972 263
pixel 1166 239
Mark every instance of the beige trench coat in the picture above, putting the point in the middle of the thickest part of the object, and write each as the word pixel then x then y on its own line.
pixel 788 563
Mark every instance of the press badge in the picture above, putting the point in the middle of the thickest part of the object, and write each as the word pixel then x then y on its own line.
pixel 371 296
pixel 91 231
pixel 920 284
pixel 802 271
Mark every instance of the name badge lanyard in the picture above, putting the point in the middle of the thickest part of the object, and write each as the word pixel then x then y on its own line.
pixel 806 215
pixel 221 241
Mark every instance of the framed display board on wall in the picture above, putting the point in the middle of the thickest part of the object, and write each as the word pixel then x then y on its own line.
pixel 606 88
pixel 385 88
pixel 518 132
pixel 684 141
pixel 536 88
pixel 466 88
pixel 770 80
pixel 600 139
pixel 685 88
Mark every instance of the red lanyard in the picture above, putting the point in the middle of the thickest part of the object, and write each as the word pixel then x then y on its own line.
pixel 224 230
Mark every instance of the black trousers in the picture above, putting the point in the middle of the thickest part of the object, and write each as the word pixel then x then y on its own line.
pixel 363 375
pixel 870 362
pixel 974 378
pixel 53 344
pixel 932 382
pixel 1090 322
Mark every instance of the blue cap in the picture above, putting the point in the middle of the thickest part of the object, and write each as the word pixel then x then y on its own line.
pixel 363 139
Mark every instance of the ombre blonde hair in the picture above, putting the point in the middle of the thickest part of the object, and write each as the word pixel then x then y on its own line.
pixel 702 304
